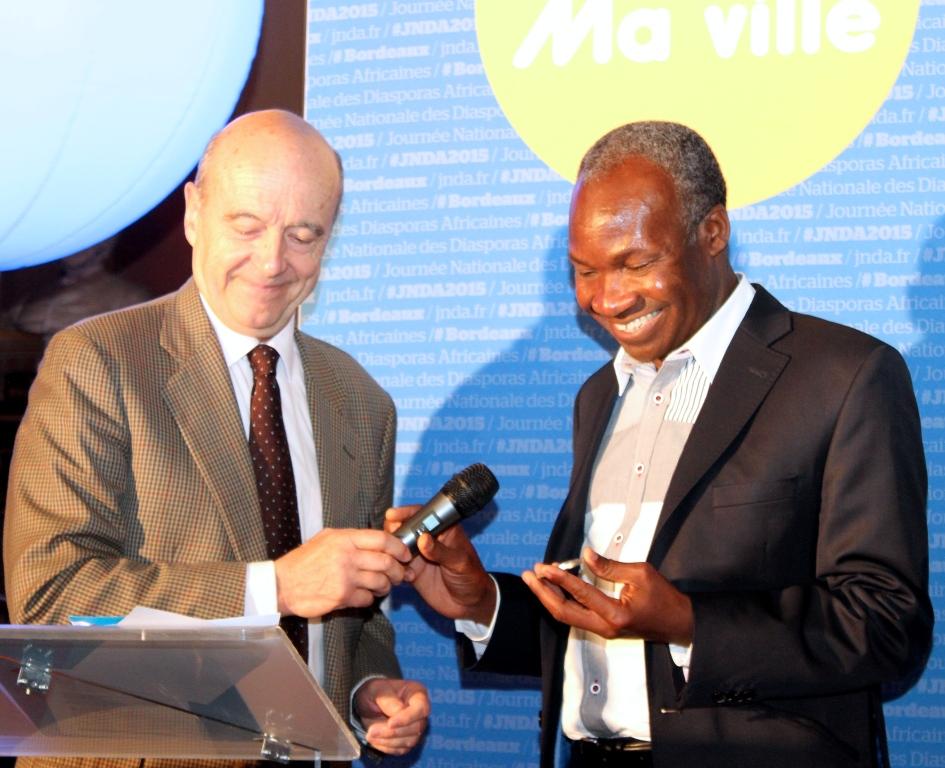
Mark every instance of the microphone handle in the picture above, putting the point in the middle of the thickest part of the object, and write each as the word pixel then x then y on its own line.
pixel 435 516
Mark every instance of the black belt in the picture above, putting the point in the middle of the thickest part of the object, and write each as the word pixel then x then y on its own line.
pixel 616 753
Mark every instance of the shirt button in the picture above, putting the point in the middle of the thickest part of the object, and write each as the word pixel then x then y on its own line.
pixel 618 538
pixel 639 468
pixel 595 688
pixel 658 398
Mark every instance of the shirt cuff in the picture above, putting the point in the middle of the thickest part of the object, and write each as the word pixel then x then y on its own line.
pixel 260 598
pixel 682 654
pixel 354 721
pixel 480 634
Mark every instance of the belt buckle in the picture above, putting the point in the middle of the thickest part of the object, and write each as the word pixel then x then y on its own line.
pixel 621 745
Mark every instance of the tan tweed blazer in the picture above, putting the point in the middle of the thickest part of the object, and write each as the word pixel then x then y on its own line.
pixel 131 481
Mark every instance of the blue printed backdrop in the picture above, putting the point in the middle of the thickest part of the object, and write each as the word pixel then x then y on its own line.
pixel 448 280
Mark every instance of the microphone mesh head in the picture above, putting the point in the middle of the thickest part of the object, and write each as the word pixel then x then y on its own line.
pixel 471 489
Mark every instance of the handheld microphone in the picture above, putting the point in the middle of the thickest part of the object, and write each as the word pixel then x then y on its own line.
pixel 463 494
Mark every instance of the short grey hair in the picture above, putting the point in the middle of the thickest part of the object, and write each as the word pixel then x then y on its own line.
pixel 677 149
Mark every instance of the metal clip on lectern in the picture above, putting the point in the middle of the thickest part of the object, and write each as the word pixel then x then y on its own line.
pixel 233 693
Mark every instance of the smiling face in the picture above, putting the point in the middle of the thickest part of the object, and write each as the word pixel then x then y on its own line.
pixel 260 219
pixel 637 271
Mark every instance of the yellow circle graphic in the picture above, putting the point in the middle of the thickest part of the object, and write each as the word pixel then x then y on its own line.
pixel 777 87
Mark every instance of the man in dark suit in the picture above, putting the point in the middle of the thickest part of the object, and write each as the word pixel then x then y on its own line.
pixel 132 480
pixel 747 497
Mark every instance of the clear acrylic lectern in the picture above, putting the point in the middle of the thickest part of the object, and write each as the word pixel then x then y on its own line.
pixel 224 693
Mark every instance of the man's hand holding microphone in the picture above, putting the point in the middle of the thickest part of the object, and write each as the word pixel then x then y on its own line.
pixel 450 577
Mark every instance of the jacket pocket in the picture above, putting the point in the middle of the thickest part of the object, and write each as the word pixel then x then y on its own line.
pixel 753 493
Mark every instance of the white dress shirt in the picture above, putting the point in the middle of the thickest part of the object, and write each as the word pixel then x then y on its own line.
pixel 260 596
pixel 639 490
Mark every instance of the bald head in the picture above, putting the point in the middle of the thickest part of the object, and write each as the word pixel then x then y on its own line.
pixel 258 217
pixel 267 130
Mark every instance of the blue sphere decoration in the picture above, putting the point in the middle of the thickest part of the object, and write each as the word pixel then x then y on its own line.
pixel 107 106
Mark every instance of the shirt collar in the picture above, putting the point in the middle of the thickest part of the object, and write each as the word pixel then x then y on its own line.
pixel 236 346
pixel 707 345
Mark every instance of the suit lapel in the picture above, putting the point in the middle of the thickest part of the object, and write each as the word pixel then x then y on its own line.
pixel 748 371
pixel 200 396
pixel 336 444
pixel 596 404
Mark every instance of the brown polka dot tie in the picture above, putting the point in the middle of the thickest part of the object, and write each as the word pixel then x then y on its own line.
pixel 275 483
